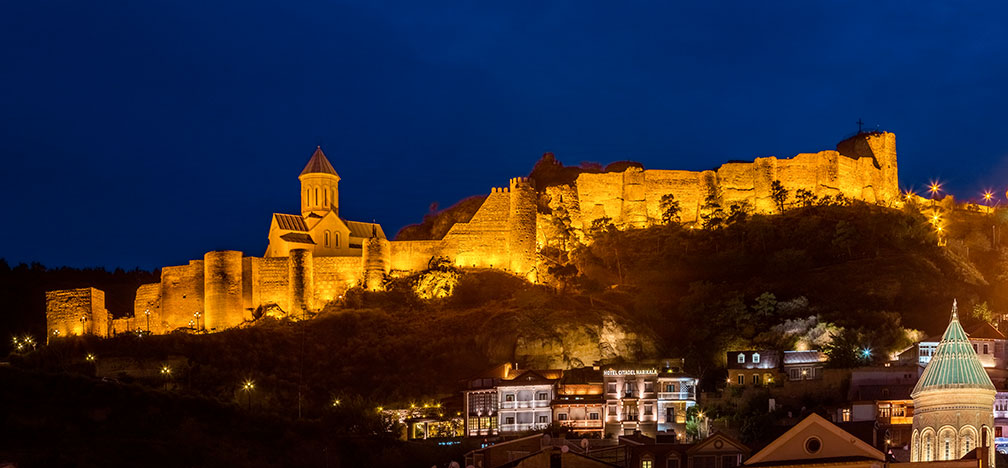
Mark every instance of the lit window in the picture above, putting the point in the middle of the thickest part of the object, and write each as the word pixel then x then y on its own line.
pixel 542 396
pixel 648 411
pixel 755 358
pixel 845 415
pixel 741 358
pixel 562 417
pixel 646 464
pixel 593 416
pixel 509 397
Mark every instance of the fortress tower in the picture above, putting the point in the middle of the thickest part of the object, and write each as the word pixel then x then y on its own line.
pixel 319 186
pixel 953 402
pixel 522 226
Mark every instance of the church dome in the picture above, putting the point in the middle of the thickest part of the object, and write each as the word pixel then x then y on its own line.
pixel 955 364
pixel 319 164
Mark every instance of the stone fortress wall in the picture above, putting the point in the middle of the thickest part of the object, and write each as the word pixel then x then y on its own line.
pixel 862 167
pixel 77 312
pixel 225 288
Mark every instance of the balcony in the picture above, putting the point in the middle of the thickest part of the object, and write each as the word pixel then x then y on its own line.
pixel 583 423
pixel 896 420
pixel 524 404
pixel 677 396
pixel 521 427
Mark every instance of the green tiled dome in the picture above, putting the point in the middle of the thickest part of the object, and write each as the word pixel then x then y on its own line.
pixel 954 364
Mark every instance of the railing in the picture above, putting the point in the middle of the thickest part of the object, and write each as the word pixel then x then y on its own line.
pixel 677 395
pixel 583 423
pixel 524 404
pixel 897 420
pixel 519 427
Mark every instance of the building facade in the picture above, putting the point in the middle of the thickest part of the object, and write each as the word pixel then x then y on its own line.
pixel 524 401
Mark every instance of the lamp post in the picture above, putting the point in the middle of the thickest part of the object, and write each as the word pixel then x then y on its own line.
pixel 147 313
pixel 83 319
pixel 248 386
pixel 196 316
pixel 166 373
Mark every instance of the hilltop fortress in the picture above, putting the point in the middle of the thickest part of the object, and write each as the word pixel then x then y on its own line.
pixel 314 256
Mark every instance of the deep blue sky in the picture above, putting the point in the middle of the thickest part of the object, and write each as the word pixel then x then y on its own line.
pixel 145 133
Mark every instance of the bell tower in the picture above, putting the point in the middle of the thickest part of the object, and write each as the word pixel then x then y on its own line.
pixel 319 185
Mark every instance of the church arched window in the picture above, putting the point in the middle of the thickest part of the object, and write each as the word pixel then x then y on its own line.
pixel 325 197
pixel 316 196
pixel 327 238
pixel 335 239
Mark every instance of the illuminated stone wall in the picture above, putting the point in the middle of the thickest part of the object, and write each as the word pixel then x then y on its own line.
pixel 75 312
pixel 863 167
pixel 521 227
pixel 222 290
pixel 181 294
pixel 148 298
pixel 406 256
pixel 482 242
pixel 333 276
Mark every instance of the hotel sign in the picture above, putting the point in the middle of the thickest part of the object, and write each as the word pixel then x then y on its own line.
pixel 622 372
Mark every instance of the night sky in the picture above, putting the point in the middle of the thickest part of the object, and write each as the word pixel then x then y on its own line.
pixel 146 133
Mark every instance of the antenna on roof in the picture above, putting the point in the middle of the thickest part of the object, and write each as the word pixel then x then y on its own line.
pixel 859 124
pixel 955 310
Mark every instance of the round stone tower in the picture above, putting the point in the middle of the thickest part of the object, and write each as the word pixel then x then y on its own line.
pixel 300 282
pixel 319 185
pixel 222 290
pixel 376 258
pixel 953 402
pixel 522 226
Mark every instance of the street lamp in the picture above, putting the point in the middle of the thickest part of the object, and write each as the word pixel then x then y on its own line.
pixel 248 386
pixel 196 315
pixel 83 319
pixel 147 313
pixel 166 373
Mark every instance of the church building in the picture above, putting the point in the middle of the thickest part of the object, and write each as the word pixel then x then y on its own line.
pixel 319 228
pixel 953 402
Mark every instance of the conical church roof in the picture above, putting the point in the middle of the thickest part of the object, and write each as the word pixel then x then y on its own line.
pixel 318 164
pixel 954 364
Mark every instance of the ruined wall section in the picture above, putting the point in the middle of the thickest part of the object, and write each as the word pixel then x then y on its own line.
pixel 483 241
pixel 181 294
pixel 863 167
pixel 75 312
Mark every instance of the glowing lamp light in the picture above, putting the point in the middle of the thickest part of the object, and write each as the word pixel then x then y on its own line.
pixel 248 385
pixel 90 357
pixel 866 353
pixel 988 195
pixel 934 188
pixel 336 402
pixel 165 370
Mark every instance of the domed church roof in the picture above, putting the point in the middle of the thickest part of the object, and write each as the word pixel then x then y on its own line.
pixel 954 364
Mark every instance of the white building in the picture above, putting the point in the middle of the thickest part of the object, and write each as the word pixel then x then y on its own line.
pixel 524 401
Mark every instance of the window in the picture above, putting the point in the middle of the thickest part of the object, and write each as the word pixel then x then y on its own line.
pixel 729 461
pixel 845 415
pixel 611 387
pixel 741 358
pixel 543 419
pixel 794 373
pixel 327 238
pixel 631 413
pixel 670 387
pixel 335 239
pixel 325 196
pixel 562 417
pixel 648 387
pixel 884 411
pixel 670 414
pixel 509 420
pixel 756 379
pixel 542 396
pixel 755 358
pixel 593 416
pixel 509 397
pixel 705 461
pixel 813 445
pixel 648 410
pixel 611 411
pixel 646 464
pixel 316 196
pixel 975 348
pixel 672 463
pixel 986 350
pixel 885 393
pixel 948 447
pixel 741 379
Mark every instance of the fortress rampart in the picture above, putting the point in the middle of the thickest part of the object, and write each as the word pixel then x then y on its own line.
pixel 319 255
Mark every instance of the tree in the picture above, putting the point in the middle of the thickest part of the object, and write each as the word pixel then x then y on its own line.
pixel 670 209
pixel 765 306
pixel 600 227
pixel 712 215
pixel 983 312
pixel 738 212
pixel 805 197
pixel 845 236
pixel 778 194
